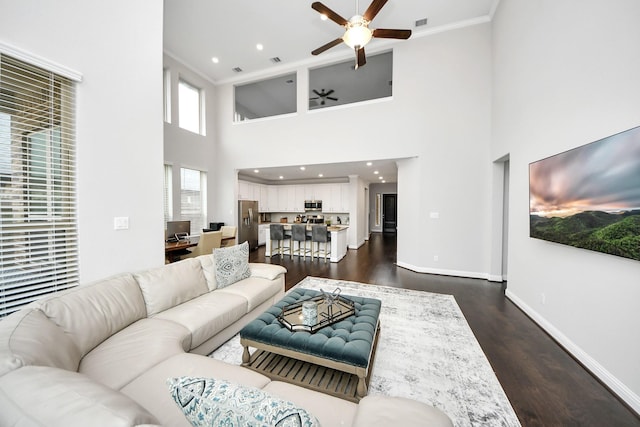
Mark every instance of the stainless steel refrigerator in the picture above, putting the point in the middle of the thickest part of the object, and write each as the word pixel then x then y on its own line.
pixel 248 223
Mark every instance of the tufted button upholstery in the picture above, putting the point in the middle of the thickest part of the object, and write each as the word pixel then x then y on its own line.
pixel 348 341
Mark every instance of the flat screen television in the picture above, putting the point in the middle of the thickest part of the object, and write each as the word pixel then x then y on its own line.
pixel 589 197
pixel 178 230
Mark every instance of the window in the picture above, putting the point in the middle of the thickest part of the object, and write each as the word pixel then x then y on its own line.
pixel 266 98
pixel 38 231
pixel 167 95
pixel 190 108
pixel 168 193
pixel 193 198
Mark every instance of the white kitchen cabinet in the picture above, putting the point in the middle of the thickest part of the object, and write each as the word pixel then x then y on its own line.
pixel 263 205
pixel 263 229
pixel 243 191
pixel 272 197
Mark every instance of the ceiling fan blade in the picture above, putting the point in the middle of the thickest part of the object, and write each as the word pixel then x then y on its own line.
pixel 327 46
pixel 324 10
pixel 315 97
pixel 391 34
pixel 360 58
pixel 316 92
pixel 373 9
pixel 332 98
pixel 330 92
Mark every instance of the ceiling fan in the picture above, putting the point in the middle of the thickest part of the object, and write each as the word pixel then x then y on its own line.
pixel 323 96
pixel 357 32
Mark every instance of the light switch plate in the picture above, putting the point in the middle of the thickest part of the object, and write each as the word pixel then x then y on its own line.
pixel 121 223
pixel 434 215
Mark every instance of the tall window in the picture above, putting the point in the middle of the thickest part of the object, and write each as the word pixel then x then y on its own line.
pixel 168 193
pixel 38 232
pixel 190 108
pixel 193 198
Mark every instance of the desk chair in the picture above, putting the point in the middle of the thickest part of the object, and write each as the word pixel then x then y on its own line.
pixel 277 234
pixel 319 234
pixel 227 232
pixel 206 244
pixel 299 234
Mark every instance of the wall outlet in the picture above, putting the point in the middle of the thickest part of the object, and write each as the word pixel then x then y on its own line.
pixel 121 223
pixel 434 215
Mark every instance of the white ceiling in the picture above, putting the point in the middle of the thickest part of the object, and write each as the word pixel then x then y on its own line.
pixel 197 30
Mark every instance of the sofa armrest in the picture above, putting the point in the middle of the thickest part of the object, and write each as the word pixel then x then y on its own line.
pixel 266 271
pixel 381 411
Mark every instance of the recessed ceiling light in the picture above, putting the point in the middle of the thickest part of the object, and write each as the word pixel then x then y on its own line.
pixel 259 46
pixel 215 60
pixel 376 172
pixel 302 168
pixel 384 181
pixel 380 177
pixel 320 175
pixel 256 170
pixel 369 163
pixel 281 177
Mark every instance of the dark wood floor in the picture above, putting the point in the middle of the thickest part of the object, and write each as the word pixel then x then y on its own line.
pixel 545 385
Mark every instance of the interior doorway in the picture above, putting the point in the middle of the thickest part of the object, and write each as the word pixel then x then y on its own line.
pixel 389 213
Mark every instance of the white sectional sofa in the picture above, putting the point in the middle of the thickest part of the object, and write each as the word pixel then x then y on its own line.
pixel 102 354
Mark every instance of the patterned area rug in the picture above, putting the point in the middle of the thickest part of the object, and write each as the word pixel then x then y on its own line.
pixel 426 351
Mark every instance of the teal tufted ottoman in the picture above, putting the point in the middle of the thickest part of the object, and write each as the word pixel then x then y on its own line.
pixel 334 360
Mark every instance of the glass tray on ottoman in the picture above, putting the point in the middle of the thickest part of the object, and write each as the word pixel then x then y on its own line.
pixel 328 314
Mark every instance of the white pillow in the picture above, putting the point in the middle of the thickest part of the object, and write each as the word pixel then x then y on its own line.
pixel 216 403
pixel 231 264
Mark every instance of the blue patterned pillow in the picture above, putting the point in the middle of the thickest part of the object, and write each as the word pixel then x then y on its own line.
pixel 215 403
pixel 232 264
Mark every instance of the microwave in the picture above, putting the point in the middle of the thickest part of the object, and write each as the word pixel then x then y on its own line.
pixel 313 205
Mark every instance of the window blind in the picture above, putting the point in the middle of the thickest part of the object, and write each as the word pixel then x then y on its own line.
pixel 193 198
pixel 38 227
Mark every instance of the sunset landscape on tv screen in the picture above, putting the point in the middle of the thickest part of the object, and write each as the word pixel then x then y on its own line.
pixel 589 197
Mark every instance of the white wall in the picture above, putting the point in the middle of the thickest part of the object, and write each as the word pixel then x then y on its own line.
pixel 566 74
pixel 185 149
pixel 117 46
pixel 439 114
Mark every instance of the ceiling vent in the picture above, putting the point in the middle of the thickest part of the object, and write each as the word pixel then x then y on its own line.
pixel 421 22
pixel 237 69
pixel 275 60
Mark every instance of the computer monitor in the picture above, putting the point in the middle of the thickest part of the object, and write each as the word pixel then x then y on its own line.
pixel 178 230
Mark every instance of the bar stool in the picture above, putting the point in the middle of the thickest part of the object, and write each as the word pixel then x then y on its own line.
pixel 277 234
pixel 299 234
pixel 319 234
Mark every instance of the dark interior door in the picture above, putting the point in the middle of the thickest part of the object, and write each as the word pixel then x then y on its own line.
pixel 389 213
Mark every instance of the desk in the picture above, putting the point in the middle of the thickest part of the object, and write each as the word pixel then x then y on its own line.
pixel 172 250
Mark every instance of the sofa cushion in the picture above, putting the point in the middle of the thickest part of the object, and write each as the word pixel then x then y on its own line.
pixel 255 290
pixel 28 337
pixel 231 264
pixel 383 411
pixel 214 402
pixel 172 284
pixel 266 271
pixel 43 396
pixel 90 314
pixel 150 391
pixel 128 353
pixel 206 315
pixel 209 270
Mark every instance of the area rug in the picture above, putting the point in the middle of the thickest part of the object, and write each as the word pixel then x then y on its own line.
pixel 426 351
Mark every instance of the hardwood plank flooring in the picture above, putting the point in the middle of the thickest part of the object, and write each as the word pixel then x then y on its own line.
pixel 545 385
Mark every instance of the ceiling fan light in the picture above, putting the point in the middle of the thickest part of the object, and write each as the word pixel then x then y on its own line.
pixel 358 33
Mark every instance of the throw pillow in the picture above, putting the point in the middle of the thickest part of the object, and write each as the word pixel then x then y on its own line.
pixel 215 403
pixel 231 264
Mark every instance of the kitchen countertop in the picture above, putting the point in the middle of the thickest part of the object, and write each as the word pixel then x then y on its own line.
pixel 334 227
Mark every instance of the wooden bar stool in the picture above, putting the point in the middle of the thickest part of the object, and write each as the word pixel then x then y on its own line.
pixel 299 234
pixel 277 234
pixel 319 234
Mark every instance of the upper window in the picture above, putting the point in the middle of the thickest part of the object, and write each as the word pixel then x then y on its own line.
pixel 193 198
pixel 340 84
pixel 266 98
pixel 38 231
pixel 190 107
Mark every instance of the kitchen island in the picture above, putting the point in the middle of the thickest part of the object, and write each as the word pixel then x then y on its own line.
pixel 338 241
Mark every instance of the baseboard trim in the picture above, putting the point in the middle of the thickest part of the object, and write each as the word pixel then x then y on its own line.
pixel 444 272
pixel 616 386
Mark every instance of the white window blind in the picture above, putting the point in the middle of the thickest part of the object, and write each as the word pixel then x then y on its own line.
pixel 193 198
pixel 38 231
pixel 168 193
